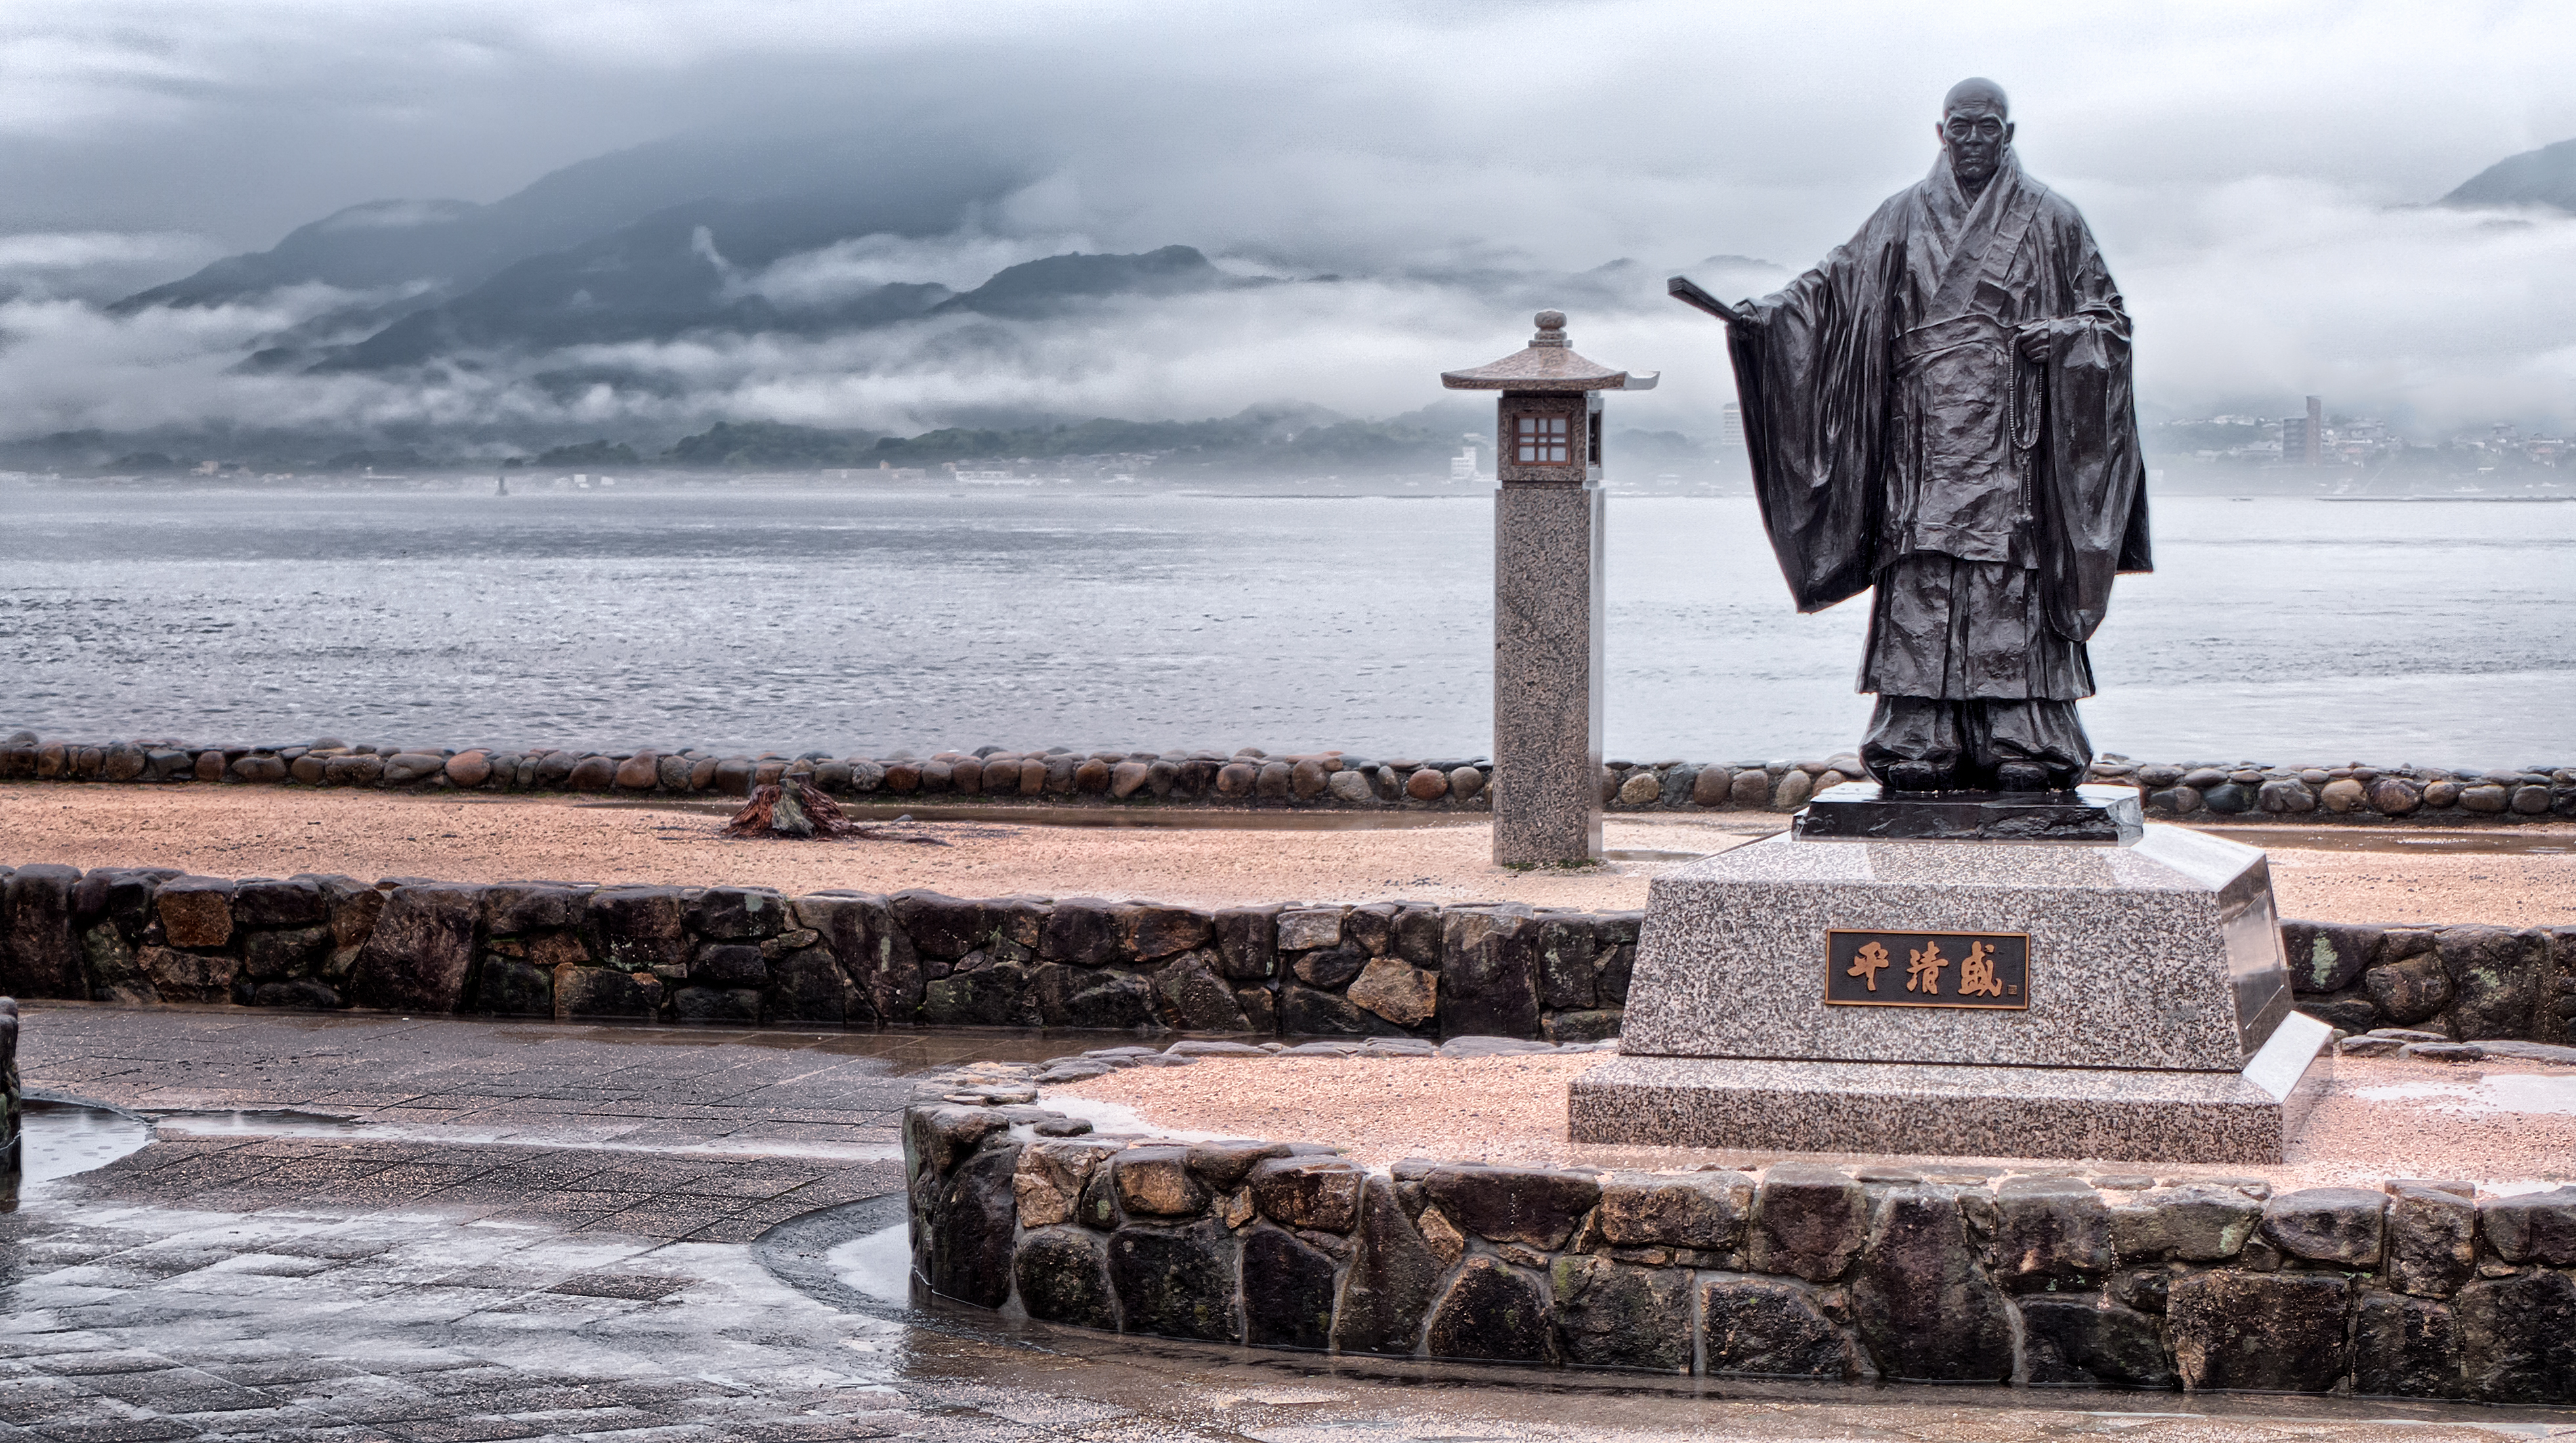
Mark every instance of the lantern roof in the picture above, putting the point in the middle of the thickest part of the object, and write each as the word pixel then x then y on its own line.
pixel 1547 363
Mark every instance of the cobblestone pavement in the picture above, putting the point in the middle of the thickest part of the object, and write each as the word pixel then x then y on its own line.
pixel 544 1233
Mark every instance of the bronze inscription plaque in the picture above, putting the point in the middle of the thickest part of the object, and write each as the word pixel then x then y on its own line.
pixel 1928 969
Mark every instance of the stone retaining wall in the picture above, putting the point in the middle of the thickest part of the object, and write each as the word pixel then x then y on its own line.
pixel 2251 791
pixel 748 956
pixel 2420 1289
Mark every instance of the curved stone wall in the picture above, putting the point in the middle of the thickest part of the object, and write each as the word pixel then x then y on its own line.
pixel 2418 1289
pixel 2245 791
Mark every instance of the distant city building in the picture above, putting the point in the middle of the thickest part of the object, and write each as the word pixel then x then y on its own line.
pixel 2303 438
pixel 1731 428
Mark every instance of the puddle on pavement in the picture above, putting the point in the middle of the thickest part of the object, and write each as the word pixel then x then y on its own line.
pixel 57 1140
pixel 2494 1092
pixel 273 1123
pixel 878 1264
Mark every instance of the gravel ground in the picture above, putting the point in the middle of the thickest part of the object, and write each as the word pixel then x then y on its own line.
pixel 2383 1117
pixel 237 831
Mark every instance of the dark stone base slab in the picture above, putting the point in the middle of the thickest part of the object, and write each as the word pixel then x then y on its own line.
pixel 1960 1111
pixel 1866 812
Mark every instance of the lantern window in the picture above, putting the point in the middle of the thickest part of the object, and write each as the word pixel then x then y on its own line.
pixel 1542 440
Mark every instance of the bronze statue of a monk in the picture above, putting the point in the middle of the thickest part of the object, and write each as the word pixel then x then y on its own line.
pixel 1941 411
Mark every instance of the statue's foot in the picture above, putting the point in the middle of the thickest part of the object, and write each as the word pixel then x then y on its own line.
pixel 1914 777
pixel 2024 777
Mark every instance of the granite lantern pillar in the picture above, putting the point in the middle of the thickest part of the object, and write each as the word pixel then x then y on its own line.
pixel 1547 595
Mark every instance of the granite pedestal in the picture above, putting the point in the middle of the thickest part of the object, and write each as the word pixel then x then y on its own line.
pixel 1548 616
pixel 2140 1008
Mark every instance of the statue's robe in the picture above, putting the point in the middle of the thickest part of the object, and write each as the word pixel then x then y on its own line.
pixel 1899 441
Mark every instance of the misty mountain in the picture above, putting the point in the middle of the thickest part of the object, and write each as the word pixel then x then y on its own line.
pixel 2546 176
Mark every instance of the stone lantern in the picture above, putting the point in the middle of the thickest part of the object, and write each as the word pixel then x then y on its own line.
pixel 1547 594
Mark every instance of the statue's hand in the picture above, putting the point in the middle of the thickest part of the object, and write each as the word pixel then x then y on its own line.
pixel 2036 342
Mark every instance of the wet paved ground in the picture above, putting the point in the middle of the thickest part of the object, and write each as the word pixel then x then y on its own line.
pixel 545 1233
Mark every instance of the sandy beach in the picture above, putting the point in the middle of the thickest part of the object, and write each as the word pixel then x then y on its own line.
pixel 242 831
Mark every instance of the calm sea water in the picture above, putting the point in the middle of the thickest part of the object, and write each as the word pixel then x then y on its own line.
pixel 2276 629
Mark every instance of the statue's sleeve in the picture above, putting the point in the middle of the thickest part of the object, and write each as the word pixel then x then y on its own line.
pixel 2091 474
pixel 1811 382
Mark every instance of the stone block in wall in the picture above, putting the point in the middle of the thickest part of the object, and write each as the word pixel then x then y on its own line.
pixel 2327 957
pixel 112 910
pixel 2090 1341
pixel 2196 1222
pixel 807 986
pixel 1148 932
pixel 2271 1332
pixel 2340 1225
pixel 728 964
pixel 1565 963
pixel 991 996
pixel 196 912
pixel 2432 1240
pixel 1925 1308
pixel 1052 1175
pixel 1697 1211
pixel 266 902
pixel 1189 996
pixel 1312 1012
pixel 38 955
pixel 512 988
pixel 1288 1291
pixel 2537 1227
pixel 1247 945
pixel 1305 928
pixel 1612 1315
pixel 419 957
pixel 1491 1311
pixel 2496 981
pixel 1808 1221
pixel 2405 1347
pixel 1772 1328
pixel 278 954
pixel 1371 928
pixel 2409 992
pixel 1330 968
pixel 1420 933
pixel 1489 972
pixel 974 1226
pixel 178 976
pixel 1537 1207
pixel 2051 1232
pixel 1394 1276
pixel 1405 995
pixel 720 1006
pixel 1063 1275
pixel 738 913
pixel 1592 1025
pixel 1177 1282
pixel 940 925
pixel 512 909
pixel 605 992
pixel 1318 1194
pixel 2518 1338
pixel 640 928
pixel 1081 932
pixel 874 952
pixel 1081 997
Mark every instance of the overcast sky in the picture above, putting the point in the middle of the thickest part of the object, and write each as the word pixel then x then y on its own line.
pixel 2244 165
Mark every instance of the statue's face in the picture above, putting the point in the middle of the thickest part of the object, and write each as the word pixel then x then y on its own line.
pixel 1975 135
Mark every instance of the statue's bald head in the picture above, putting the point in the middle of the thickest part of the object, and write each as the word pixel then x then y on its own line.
pixel 1977 93
pixel 1975 128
